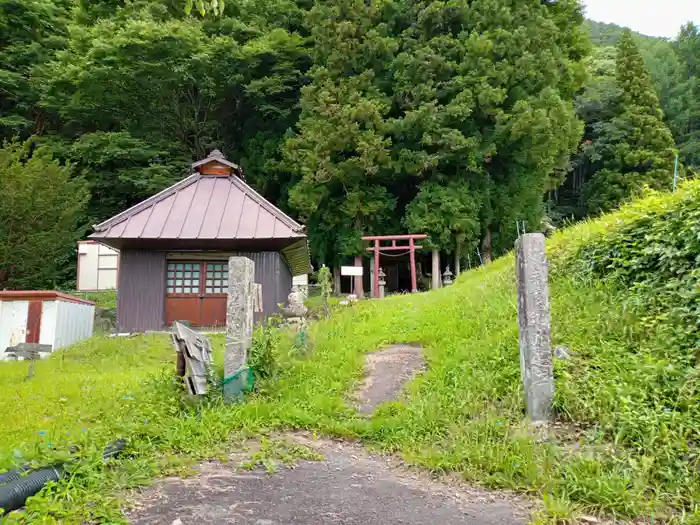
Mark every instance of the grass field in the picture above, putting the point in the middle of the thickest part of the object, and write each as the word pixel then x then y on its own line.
pixel 623 446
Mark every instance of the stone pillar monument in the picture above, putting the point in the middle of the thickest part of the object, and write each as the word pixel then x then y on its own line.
pixel 239 326
pixel 435 279
pixel 533 323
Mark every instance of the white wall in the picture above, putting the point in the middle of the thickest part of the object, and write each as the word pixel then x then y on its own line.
pixel 13 324
pixel 74 322
pixel 301 282
pixel 97 267
pixel 49 315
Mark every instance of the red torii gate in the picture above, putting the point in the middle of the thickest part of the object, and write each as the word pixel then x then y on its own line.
pixel 412 247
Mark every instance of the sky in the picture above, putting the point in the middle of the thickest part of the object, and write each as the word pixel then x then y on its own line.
pixel 649 17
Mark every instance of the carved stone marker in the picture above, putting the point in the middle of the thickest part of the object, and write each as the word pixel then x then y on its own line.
pixel 239 326
pixel 533 323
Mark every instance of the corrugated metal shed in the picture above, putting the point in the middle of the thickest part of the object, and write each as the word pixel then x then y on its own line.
pixel 49 318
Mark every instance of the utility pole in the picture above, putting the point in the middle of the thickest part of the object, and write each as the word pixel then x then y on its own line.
pixel 675 174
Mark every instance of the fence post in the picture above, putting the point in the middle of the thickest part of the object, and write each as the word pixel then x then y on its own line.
pixel 534 326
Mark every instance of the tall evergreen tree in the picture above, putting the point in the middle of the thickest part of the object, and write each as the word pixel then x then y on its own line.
pixel 448 213
pixel 484 96
pixel 635 146
pixel 341 153
pixel 421 96
pixel 685 119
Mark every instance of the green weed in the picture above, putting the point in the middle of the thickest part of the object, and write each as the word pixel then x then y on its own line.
pixel 626 442
pixel 272 452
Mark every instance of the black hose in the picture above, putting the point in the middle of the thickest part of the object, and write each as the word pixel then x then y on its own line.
pixel 14 495
pixel 16 486
pixel 113 449
pixel 12 475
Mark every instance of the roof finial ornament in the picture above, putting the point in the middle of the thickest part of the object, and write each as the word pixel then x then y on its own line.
pixel 216 153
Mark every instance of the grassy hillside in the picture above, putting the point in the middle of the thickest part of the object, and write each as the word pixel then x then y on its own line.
pixel 624 300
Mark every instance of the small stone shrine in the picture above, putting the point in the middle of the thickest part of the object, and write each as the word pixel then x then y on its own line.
pixel 294 314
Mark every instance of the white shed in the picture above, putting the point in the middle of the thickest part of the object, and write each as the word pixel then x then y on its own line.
pixel 98 266
pixel 48 318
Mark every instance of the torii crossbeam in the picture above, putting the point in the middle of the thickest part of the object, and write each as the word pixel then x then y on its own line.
pixel 377 248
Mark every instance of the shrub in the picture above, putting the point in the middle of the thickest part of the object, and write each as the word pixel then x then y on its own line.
pixel 263 358
pixel 641 384
pixel 651 249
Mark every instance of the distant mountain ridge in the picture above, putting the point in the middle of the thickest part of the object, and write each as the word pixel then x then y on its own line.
pixel 603 34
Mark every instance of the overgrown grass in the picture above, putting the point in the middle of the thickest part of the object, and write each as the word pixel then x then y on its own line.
pixel 73 392
pixel 106 299
pixel 628 423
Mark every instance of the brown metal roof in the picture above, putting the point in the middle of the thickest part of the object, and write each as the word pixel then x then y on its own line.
pixel 40 295
pixel 202 207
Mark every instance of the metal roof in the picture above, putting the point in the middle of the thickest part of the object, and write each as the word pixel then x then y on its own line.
pixel 202 207
pixel 40 295
pixel 217 156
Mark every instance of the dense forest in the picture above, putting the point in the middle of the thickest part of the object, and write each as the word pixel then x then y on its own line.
pixel 356 117
pixel 641 106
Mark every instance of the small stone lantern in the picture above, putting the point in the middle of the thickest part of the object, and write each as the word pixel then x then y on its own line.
pixel 294 314
pixel 382 283
pixel 447 277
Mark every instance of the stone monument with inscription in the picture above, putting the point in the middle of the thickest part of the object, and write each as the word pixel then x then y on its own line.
pixel 534 326
pixel 239 326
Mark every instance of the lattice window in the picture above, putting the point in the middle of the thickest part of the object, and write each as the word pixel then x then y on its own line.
pixel 217 278
pixel 184 278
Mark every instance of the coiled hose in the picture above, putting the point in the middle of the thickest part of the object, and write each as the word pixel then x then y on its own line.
pixel 16 486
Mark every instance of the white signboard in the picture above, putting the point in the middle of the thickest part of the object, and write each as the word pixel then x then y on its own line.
pixel 351 271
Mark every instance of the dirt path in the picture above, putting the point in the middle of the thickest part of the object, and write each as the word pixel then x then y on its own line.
pixel 348 486
pixel 386 373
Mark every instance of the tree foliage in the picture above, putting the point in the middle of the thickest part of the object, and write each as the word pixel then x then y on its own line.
pixel 453 119
pixel 635 147
pixel 448 213
pixel 341 154
pixel 40 218
pixel 215 6
pixel 416 98
pixel 627 108
pixel 684 113
pixel 30 32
